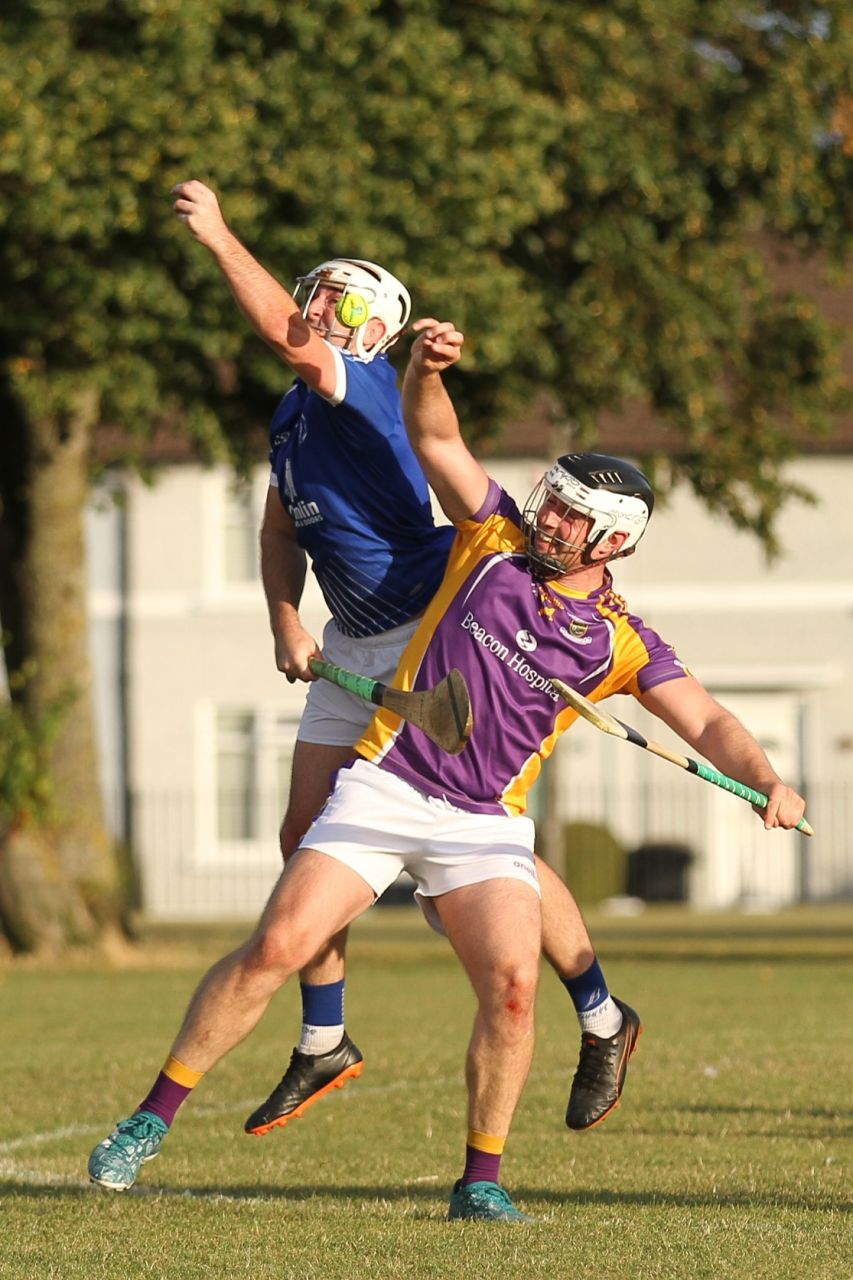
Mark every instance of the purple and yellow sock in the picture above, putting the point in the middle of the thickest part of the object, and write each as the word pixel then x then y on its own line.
pixel 173 1085
pixel 483 1153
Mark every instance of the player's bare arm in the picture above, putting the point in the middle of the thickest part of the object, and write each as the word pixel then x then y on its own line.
pixel 691 712
pixel 458 480
pixel 283 566
pixel 267 305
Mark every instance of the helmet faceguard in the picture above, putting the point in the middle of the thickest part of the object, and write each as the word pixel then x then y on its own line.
pixel 610 494
pixel 382 294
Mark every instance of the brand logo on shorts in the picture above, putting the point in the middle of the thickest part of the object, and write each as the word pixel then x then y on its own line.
pixel 524 866
pixel 525 641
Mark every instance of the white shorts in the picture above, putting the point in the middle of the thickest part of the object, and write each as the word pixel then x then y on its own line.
pixel 378 825
pixel 332 715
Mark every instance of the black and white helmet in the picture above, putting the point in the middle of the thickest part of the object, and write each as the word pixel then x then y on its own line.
pixel 384 297
pixel 610 492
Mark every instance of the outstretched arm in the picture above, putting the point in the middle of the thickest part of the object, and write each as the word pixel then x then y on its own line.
pixel 457 479
pixel 269 308
pixel 691 712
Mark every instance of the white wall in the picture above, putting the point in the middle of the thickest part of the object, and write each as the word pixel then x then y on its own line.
pixel 774 642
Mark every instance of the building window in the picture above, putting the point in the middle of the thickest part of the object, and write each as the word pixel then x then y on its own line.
pixel 254 754
pixel 236 769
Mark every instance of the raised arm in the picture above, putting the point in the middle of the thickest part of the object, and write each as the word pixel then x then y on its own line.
pixel 691 712
pixel 268 307
pixel 457 479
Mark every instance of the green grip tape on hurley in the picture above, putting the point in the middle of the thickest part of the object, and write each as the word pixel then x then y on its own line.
pixel 739 789
pixel 361 686
pixel 730 784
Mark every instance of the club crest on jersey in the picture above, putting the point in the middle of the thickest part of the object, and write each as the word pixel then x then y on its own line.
pixel 525 641
pixel 577 630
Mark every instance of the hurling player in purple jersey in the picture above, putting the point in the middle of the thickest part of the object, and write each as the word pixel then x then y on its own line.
pixel 471 856
pixel 348 494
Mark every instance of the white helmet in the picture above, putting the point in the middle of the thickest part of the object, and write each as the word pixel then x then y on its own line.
pixel 613 494
pixel 375 295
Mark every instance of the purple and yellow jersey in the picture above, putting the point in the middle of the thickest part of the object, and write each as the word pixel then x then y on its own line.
pixel 508 634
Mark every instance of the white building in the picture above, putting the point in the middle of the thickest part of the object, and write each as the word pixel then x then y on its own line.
pixel 197 726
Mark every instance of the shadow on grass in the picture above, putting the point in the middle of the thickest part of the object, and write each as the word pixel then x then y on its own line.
pixel 795 1123
pixel 790 1113
pixel 305 1193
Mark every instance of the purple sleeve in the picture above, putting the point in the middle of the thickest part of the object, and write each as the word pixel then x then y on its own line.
pixel 496 502
pixel 663 663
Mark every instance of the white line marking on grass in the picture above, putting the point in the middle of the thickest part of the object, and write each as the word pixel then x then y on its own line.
pixel 50 1135
pixel 203 1112
pixel 38 1177
pixel 11 1171
pixel 200 1113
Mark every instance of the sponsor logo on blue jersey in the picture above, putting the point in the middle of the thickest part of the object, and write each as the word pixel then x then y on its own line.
pixel 304 513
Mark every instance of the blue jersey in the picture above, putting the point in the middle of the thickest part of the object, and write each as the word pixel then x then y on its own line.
pixel 348 478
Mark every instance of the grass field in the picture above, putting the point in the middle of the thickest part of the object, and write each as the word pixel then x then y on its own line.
pixel 730 1156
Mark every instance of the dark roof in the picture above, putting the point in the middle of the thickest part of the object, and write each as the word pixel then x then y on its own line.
pixel 634 427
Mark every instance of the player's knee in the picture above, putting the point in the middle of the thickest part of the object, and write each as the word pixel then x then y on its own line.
pixel 271 951
pixel 513 995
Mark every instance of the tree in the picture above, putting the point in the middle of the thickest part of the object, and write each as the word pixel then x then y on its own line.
pixel 694 138
pixel 578 185
pixel 113 317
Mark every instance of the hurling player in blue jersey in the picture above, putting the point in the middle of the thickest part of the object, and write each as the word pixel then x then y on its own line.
pixel 348 493
pixel 514 583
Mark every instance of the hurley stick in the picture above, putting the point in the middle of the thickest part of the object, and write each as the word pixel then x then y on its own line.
pixel 609 724
pixel 442 713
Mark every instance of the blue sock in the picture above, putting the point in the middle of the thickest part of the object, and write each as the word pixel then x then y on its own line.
pixel 593 1003
pixel 588 990
pixel 323 1006
pixel 322 1017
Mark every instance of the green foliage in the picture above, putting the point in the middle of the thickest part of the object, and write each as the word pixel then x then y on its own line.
pixel 589 190
pixel 23 786
pixel 594 862
pixel 25 790
pixel 681 159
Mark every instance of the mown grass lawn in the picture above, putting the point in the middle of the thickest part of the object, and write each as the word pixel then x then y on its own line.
pixel 730 1156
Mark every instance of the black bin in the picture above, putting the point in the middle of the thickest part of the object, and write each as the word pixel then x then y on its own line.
pixel 659 872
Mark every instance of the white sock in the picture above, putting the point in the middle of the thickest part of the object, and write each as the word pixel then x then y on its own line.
pixel 604 1020
pixel 314 1040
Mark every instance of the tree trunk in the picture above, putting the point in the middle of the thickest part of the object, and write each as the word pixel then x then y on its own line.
pixel 60 882
pixel 39 910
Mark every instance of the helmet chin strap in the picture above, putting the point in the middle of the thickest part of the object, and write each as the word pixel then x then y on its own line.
pixel 552 573
pixel 588 562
